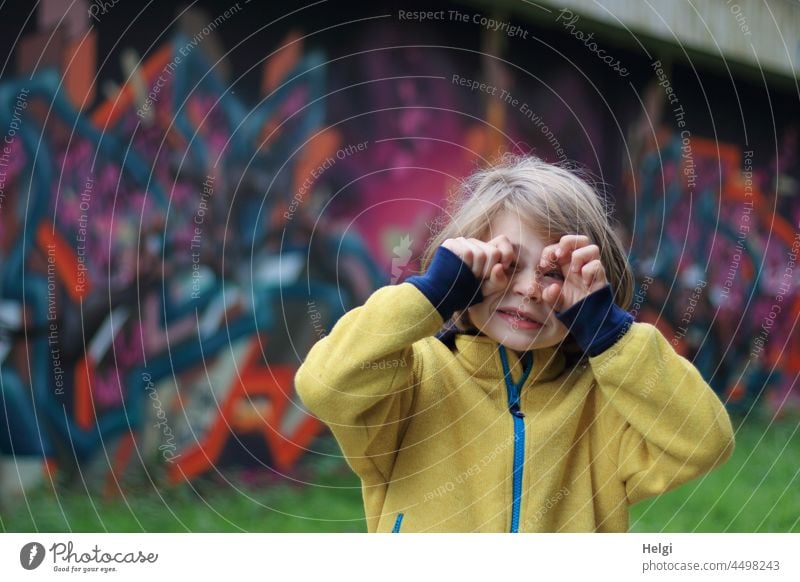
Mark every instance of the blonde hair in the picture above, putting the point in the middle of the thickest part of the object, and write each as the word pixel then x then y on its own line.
pixel 552 199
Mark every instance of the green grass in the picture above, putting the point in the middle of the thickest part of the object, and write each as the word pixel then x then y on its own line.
pixel 756 491
pixel 278 508
pixel 329 502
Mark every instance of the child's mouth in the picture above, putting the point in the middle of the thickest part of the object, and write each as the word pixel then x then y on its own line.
pixel 517 320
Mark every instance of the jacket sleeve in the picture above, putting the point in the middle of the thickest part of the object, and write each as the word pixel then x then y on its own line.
pixel 361 379
pixel 675 426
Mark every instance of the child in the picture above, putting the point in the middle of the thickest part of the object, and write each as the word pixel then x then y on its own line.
pixel 541 406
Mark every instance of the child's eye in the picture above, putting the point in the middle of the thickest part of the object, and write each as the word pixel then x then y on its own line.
pixel 554 274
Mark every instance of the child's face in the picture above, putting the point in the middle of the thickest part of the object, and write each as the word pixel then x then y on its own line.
pixel 522 293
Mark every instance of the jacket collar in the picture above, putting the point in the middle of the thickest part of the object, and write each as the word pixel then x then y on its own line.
pixel 480 356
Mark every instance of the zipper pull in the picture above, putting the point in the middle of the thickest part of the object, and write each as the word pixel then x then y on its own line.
pixel 514 409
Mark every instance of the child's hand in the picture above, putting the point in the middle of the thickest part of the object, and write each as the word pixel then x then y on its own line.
pixel 579 261
pixel 487 260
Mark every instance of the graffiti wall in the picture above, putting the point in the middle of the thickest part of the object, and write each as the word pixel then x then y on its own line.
pixel 172 245
pixel 152 251
pixel 722 284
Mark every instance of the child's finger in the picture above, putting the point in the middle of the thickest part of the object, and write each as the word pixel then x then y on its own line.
pixel 503 244
pixel 568 245
pixel 494 256
pixel 552 295
pixel 474 256
pixel 583 256
pixel 487 256
pixel 551 257
pixel 571 242
pixel 497 279
pixel 594 275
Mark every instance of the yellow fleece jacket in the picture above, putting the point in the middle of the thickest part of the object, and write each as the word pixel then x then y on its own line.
pixel 429 433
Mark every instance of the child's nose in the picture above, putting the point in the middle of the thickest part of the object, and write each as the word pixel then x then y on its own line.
pixel 528 285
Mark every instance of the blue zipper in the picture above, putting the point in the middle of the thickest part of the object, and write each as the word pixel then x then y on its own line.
pixel 519 429
pixel 397 522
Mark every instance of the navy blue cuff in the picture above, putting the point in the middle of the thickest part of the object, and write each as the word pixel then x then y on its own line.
pixel 596 322
pixel 449 283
